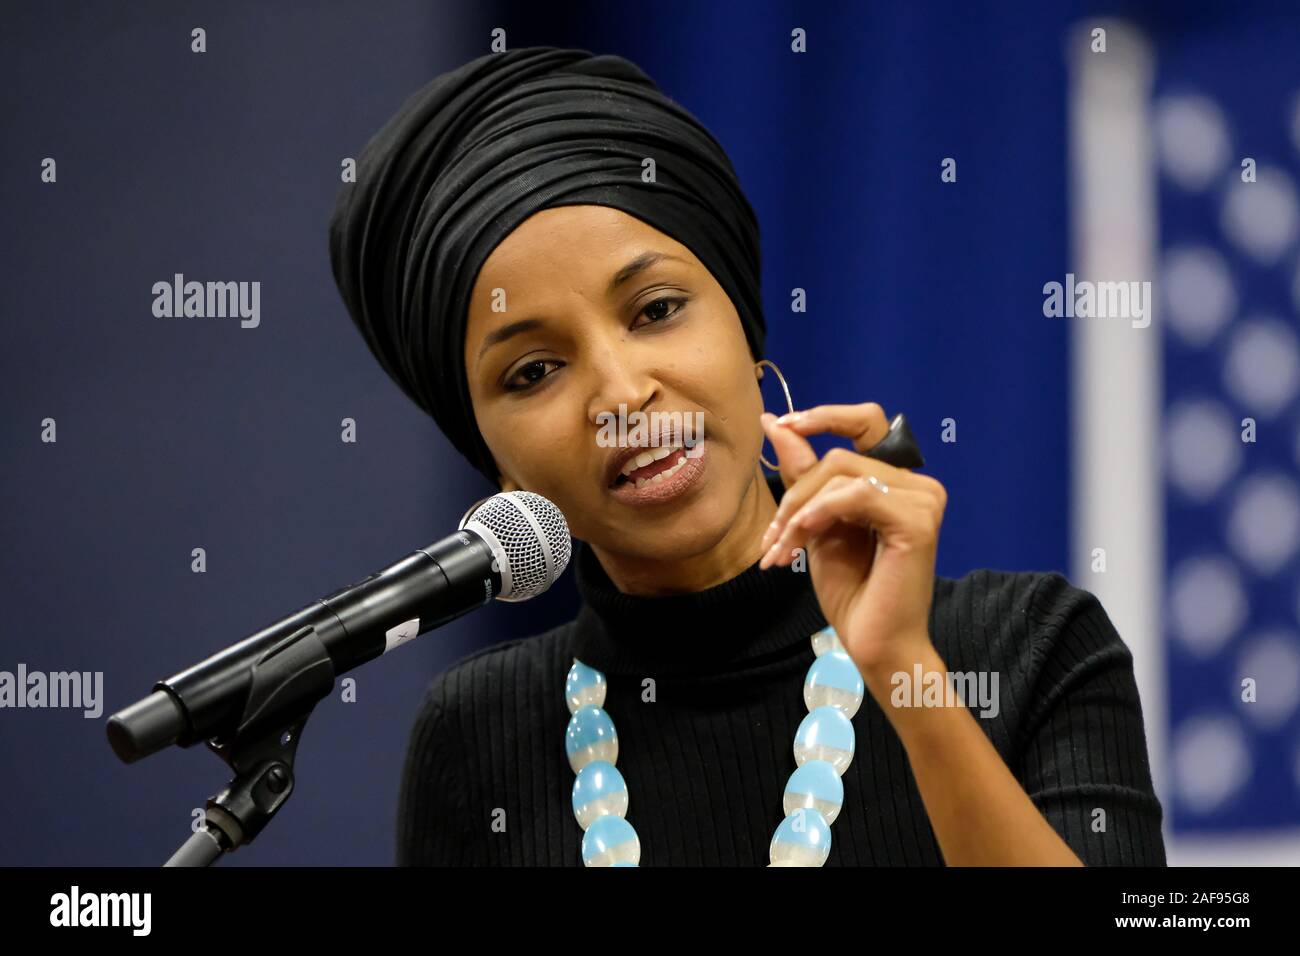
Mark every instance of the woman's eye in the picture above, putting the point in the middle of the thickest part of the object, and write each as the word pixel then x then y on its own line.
pixel 526 376
pixel 529 375
pixel 655 311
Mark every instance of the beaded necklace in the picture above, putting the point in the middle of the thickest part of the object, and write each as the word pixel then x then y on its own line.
pixel 833 691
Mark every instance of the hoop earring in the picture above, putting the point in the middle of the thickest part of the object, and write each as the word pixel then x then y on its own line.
pixel 788 401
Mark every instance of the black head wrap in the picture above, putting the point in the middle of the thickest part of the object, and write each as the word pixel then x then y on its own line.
pixel 479 150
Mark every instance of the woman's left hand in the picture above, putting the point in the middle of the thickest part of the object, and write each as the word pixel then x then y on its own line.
pixel 869 530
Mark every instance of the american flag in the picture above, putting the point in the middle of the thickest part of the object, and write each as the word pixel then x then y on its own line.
pixel 1186 171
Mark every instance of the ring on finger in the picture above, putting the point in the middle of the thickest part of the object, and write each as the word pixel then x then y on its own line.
pixel 876 482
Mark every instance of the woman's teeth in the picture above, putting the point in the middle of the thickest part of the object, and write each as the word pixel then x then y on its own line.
pixel 681 461
pixel 650 456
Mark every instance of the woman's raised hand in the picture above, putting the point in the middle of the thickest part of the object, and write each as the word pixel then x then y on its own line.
pixel 869 530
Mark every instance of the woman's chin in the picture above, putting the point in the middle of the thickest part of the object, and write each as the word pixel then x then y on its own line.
pixel 675 536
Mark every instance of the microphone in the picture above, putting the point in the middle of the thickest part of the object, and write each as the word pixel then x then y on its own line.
pixel 511 546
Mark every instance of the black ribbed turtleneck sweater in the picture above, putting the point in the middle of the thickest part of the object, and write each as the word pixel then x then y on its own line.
pixel 487 782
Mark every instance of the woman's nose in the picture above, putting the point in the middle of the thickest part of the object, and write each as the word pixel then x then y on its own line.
pixel 619 382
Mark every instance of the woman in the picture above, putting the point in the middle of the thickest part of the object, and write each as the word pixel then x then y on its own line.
pixel 539 240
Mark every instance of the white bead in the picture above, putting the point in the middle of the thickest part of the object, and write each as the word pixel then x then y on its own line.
pixel 833 681
pixel 591 736
pixel 584 687
pixel 825 734
pixel 598 790
pixel 802 839
pixel 826 640
pixel 611 841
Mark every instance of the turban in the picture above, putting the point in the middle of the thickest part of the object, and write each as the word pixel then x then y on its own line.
pixel 477 151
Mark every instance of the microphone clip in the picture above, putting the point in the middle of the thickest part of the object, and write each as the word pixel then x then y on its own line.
pixel 286 684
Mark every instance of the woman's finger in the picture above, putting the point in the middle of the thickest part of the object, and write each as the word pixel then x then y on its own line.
pixel 794 456
pixel 901 516
pixel 865 424
pixel 793 453
pixel 842 461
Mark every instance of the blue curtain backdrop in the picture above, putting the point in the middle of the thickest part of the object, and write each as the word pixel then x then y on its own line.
pixel 921 295
pixel 177 434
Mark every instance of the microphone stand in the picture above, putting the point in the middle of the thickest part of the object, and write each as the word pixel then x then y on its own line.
pixel 287 683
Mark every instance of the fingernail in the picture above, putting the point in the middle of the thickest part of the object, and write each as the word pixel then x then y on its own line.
pixel 790 418
pixel 779 547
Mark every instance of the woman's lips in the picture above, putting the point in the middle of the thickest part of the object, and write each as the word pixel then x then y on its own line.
pixel 657 484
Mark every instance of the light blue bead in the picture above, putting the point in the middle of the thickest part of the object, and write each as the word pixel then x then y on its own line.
pixel 802 839
pixel 590 736
pixel 610 840
pixel 825 734
pixel 599 789
pixel 833 680
pixel 584 687
pixel 817 786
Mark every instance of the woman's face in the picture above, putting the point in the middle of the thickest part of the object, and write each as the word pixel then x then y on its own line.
pixel 664 338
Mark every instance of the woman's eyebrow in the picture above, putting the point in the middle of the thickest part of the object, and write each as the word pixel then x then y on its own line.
pixel 507 331
pixel 642 262
pixel 634 267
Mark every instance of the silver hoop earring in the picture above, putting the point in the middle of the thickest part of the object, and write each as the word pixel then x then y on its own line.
pixel 788 401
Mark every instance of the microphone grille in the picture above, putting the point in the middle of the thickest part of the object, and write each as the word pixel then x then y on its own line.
pixel 529 537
